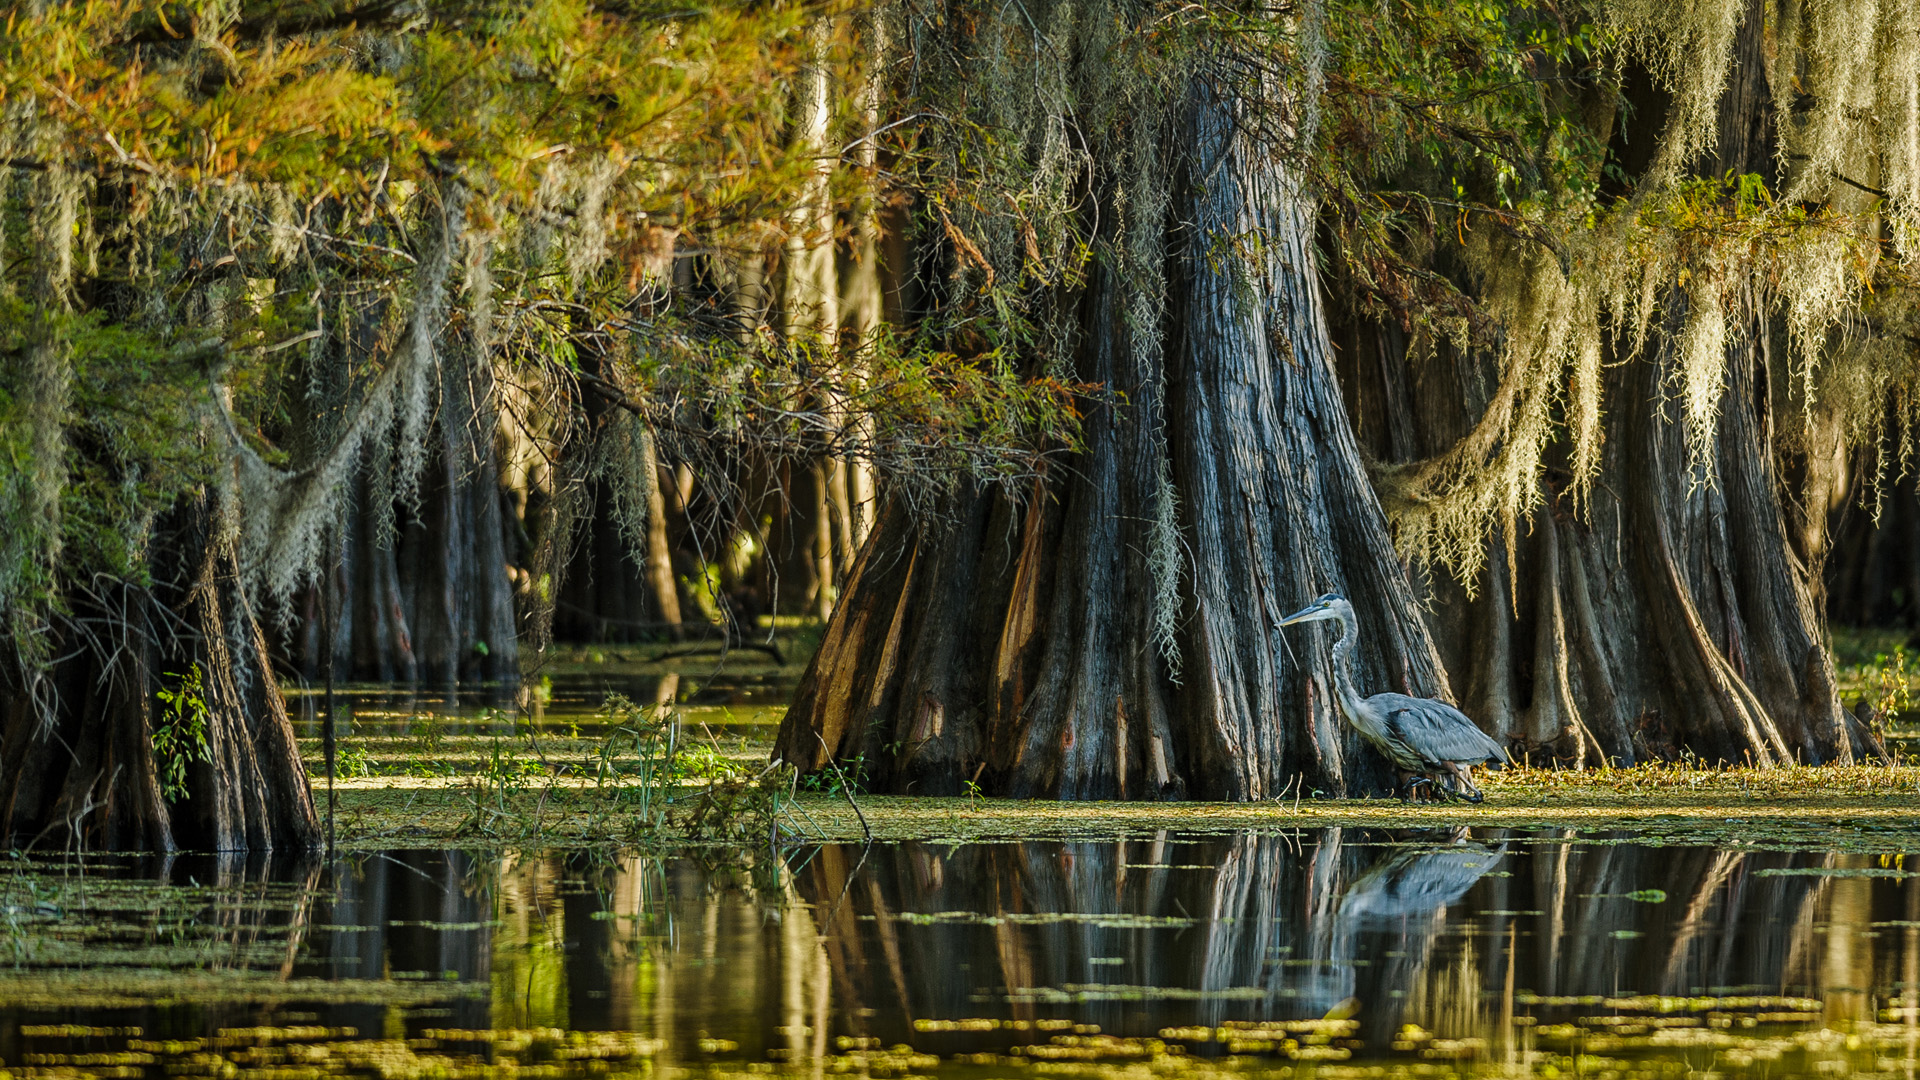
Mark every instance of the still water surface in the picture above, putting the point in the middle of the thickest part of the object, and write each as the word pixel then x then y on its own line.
pixel 712 694
pixel 1338 953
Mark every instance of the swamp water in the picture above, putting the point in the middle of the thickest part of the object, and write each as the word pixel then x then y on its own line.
pixel 1331 953
pixel 729 711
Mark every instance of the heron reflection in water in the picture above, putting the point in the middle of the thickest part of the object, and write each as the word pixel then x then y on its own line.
pixel 1418 880
pixel 1405 895
pixel 1426 739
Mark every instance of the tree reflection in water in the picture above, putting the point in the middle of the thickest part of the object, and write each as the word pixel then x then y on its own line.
pixel 801 956
pixel 1424 928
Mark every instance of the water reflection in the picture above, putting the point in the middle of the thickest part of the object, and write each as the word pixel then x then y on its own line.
pixel 722 698
pixel 1139 936
pixel 1476 941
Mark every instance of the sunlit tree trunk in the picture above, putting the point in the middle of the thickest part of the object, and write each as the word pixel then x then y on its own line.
pixel 810 299
pixel 862 284
pixel 1013 644
pixel 824 590
pixel 659 568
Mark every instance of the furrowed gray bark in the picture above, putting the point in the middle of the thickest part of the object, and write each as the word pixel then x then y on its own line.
pixel 1009 644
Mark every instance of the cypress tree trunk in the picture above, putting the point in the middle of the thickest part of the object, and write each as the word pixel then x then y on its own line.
pixel 464 602
pixel 428 599
pixel 78 759
pixel 610 591
pixel 1873 576
pixel 1704 634
pixel 1670 614
pixel 1666 615
pixel 1013 644
pixel 1730 605
pixel 1727 601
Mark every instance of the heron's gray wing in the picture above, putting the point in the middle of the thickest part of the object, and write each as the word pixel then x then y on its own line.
pixel 1417 880
pixel 1435 730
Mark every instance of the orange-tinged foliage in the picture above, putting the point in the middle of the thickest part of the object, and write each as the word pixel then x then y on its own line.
pixel 322 99
pixel 269 214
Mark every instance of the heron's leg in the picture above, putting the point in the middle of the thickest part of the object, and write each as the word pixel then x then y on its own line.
pixel 1463 774
pixel 1420 789
pixel 1403 785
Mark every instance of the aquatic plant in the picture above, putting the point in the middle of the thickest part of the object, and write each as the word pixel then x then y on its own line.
pixel 651 736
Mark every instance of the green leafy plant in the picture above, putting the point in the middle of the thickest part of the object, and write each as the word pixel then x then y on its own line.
pixel 1889 689
pixel 180 732
pixel 429 728
pixel 637 758
pixel 850 776
pixel 704 761
pixel 503 770
pixel 352 759
pixel 502 776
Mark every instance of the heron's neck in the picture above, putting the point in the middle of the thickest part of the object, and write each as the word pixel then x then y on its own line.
pixel 1343 668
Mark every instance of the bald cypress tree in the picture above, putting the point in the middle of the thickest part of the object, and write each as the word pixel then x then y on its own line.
pixel 1590 269
pixel 1113 630
pixel 1630 486
pixel 278 287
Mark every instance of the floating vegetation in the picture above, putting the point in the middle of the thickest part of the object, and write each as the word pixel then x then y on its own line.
pixel 1627 1051
pixel 105 933
pixel 386 812
pixel 1281 954
pixel 1836 871
pixel 993 1024
pixel 326 1051
pixel 128 988
pixel 1662 1004
pixel 87 915
pixel 1108 921
pixel 1073 993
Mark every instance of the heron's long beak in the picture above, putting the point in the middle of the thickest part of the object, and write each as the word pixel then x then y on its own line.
pixel 1309 615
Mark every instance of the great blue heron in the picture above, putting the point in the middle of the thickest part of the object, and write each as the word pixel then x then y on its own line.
pixel 1423 738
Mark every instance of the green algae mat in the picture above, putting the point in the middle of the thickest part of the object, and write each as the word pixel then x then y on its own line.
pixel 1859 808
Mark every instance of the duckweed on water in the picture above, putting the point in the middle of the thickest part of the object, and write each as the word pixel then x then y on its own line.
pixel 1835 871
pixel 136 988
pixel 385 814
pixel 101 934
pixel 1712 1044
pixel 1112 921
